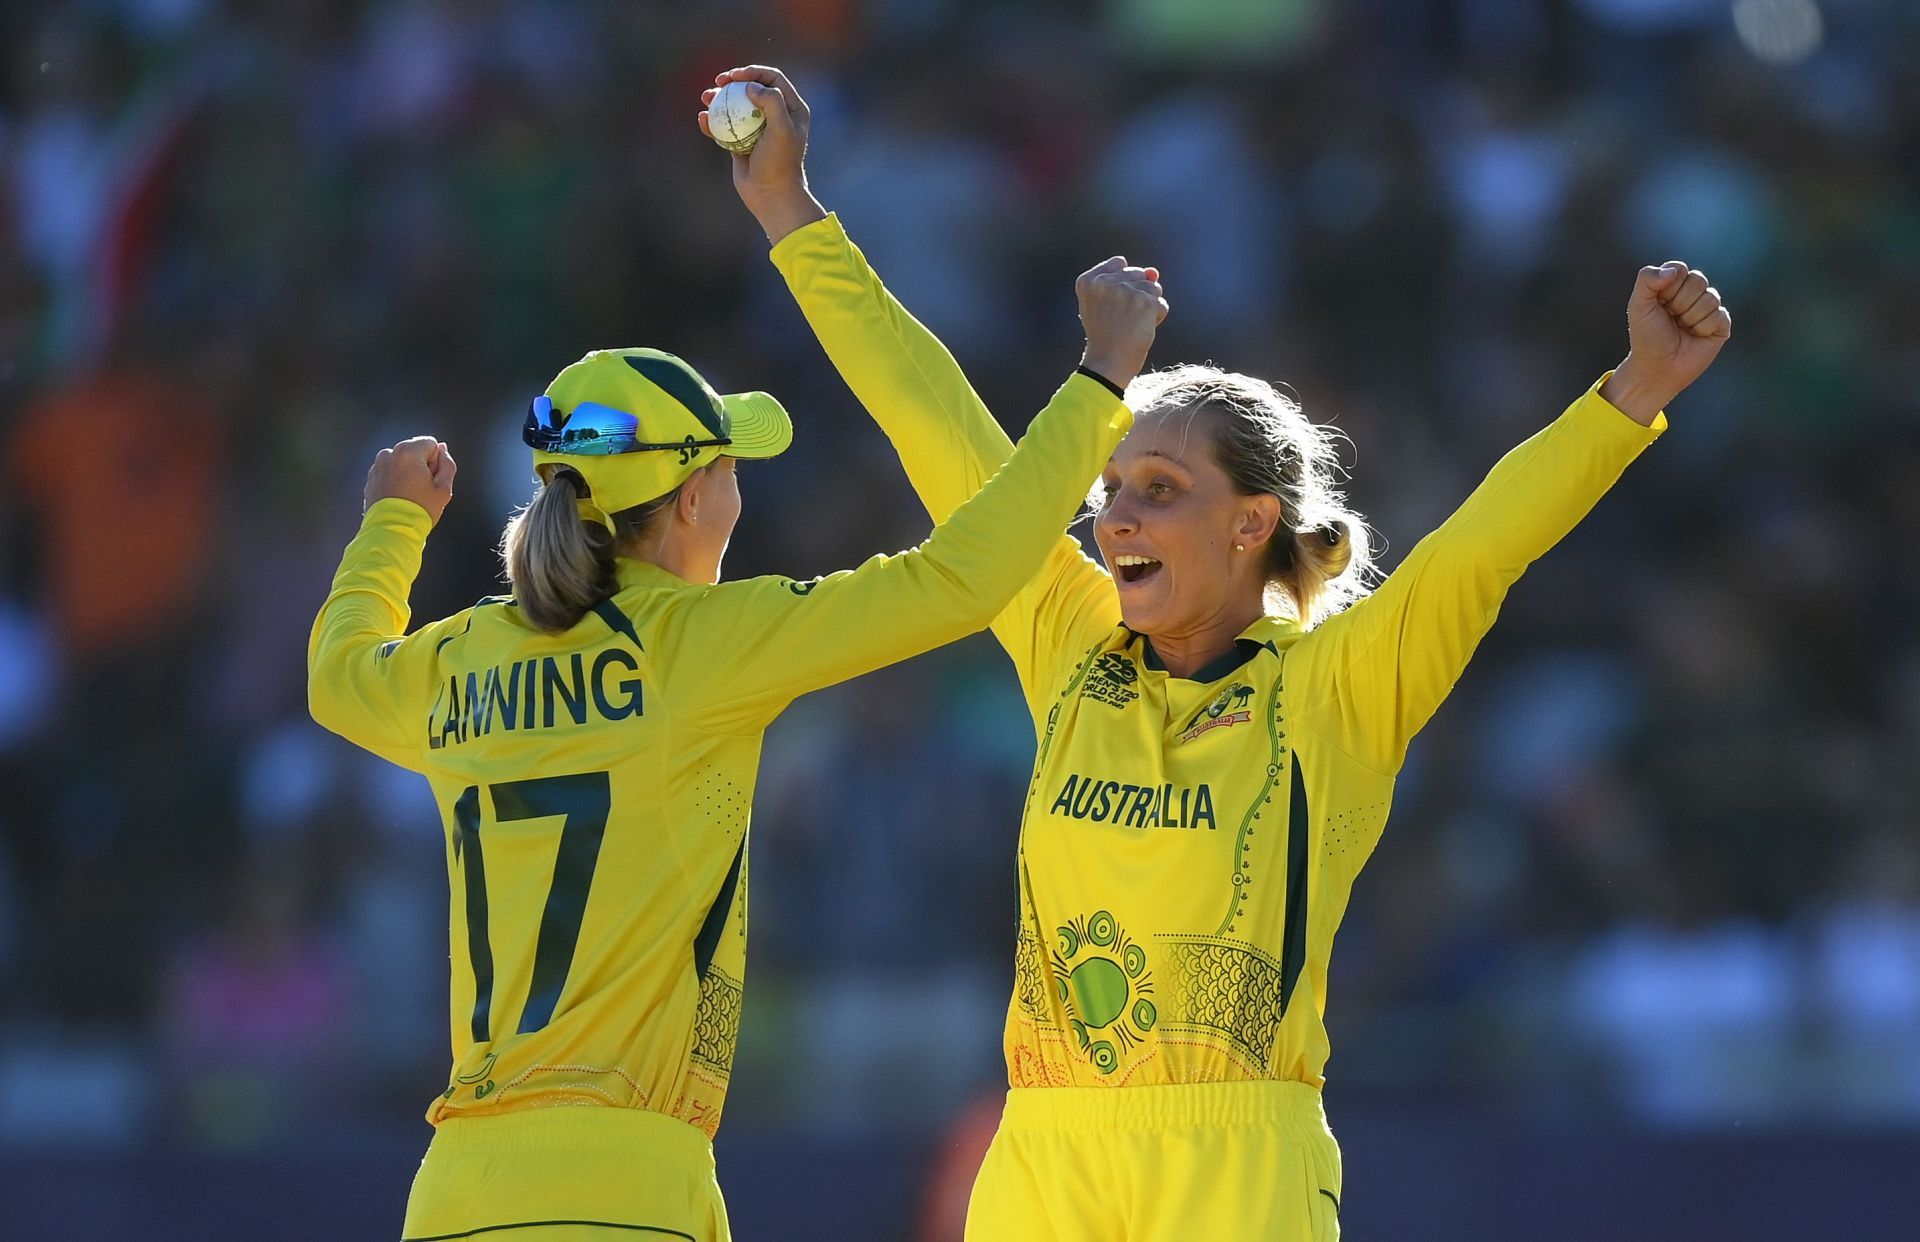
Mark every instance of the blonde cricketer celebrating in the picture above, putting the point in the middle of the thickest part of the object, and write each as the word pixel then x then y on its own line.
pixel 592 740
pixel 1220 715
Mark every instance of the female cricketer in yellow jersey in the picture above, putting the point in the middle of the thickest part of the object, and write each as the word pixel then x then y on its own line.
pixel 592 741
pixel 1219 721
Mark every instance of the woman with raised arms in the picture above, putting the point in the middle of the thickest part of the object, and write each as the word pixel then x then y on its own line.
pixel 1220 715
pixel 592 740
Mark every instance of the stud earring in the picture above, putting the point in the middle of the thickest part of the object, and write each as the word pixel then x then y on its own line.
pixel 1239 547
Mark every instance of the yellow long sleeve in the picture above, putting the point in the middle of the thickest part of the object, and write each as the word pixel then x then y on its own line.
pixel 765 641
pixel 947 440
pixel 361 684
pixel 1373 675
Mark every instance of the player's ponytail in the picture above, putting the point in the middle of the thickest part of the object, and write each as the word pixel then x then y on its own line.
pixel 1310 566
pixel 561 564
pixel 1319 559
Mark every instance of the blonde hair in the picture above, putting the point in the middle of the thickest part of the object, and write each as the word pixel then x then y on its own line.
pixel 561 564
pixel 1320 558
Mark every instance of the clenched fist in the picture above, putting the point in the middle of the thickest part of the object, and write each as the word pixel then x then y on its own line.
pixel 420 470
pixel 1121 308
pixel 1676 326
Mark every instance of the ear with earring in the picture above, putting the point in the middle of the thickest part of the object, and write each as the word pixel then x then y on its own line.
pixel 1239 547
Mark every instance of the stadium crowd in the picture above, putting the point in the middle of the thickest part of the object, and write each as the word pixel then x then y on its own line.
pixel 1659 857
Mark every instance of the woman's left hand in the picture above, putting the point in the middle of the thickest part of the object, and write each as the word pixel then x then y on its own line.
pixel 1676 326
pixel 420 470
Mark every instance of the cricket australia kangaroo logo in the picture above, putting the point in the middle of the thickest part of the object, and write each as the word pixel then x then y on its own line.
pixel 1111 681
pixel 1229 707
pixel 1101 977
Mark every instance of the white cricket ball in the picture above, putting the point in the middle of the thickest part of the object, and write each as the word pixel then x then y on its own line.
pixel 735 122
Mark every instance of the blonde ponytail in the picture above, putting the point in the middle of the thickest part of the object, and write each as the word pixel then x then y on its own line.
pixel 560 566
pixel 1310 566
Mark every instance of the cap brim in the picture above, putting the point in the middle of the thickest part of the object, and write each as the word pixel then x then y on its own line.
pixel 757 424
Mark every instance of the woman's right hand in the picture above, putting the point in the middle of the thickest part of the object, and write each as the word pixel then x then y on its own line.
pixel 420 470
pixel 1121 308
pixel 771 179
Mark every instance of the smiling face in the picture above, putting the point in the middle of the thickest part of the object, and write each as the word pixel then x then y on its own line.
pixel 1167 529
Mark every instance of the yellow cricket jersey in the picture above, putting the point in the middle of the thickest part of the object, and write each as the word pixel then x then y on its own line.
pixel 1189 844
pixel 595 785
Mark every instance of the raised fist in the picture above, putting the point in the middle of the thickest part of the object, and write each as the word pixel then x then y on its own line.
pixel 1676 326
pixel 420 470
pixel 1121 308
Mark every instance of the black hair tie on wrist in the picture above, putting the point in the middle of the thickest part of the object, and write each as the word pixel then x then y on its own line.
pixel 1102 380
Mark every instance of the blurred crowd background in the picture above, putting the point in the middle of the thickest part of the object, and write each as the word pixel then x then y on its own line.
pixel 1656 864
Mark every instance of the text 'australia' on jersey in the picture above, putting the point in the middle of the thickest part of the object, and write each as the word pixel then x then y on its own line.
pixel 1189 845
pixel 1171 916
pixel 1201 955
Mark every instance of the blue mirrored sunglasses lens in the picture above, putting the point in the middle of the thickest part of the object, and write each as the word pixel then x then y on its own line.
pixel 590 428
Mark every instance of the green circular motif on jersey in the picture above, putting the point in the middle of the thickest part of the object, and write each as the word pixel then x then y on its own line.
pixel 1099 990
pixel 1103 979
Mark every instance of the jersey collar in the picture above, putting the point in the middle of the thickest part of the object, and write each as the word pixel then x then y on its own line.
pixel 1265 634
pixel 630 573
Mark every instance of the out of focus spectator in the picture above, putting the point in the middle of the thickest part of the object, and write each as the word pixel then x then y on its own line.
pixel 1866 960
pixel 252 1018
pixel 120 472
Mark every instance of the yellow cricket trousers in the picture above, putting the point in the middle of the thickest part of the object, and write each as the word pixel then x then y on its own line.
pixel 1247 1161
pixel 582 1174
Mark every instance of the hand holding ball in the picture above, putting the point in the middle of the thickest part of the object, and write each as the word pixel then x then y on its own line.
pixel 733 120
pixel 754 112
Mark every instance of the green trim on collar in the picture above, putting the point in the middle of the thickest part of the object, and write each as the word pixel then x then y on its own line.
pixel 1244 649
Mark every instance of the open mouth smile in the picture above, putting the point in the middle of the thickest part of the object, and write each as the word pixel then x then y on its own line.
pixel 1131 570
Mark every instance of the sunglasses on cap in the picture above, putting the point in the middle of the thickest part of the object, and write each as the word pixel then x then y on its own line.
pixel 592 429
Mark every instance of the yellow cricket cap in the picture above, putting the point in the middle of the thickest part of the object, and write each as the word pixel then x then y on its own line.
pixel 636 422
